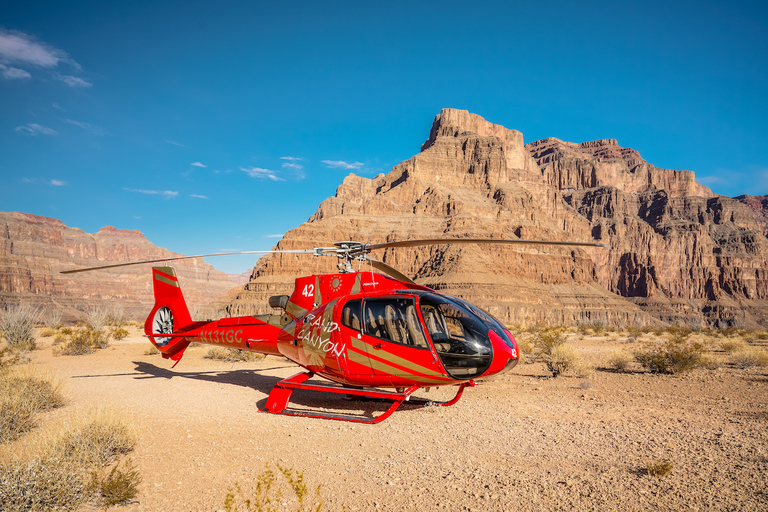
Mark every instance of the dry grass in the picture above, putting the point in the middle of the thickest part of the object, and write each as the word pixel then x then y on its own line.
pixel 620 360
pixel 25 391
pixel 80 340
pixel 672 354
pixel 659 468
pixel 51 471
pixel 118 486
pixel 749 357
pixel 731 345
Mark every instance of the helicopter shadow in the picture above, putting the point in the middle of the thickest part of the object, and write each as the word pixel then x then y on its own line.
pixel 305 400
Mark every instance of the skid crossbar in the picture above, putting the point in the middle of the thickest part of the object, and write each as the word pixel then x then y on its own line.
pixel 280 396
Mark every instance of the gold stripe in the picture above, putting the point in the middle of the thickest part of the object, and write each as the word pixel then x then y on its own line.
pixel 412 367
pixel 166 270
pixel 163 279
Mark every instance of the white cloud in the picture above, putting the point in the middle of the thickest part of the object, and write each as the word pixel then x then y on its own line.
pixel 73 81
pixel 96 130
pixel 35 129
pixel 175 143
pixel 197 164
pixel 291 158
pixel 296 167
pixel 58 183
pixel 168 194
pixel 20 47
pixel 198 197
pixel 24 50
pixel 14 73
pixel 257 172
pixel 340 164
pixel 274 236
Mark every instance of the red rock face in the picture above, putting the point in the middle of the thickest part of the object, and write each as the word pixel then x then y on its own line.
pixel 678 252
pixel 34 249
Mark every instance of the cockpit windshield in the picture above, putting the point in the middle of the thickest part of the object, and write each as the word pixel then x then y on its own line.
pixel 459 335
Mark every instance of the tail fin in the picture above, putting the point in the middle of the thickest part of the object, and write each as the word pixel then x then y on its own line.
pixel 170 314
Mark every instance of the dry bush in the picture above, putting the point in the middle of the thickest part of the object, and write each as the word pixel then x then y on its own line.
pixel 677 354
pixel 151 351
pixel 80 340
pixel 52 473
pixel 52 319
pixel 562 358
pixel 731 345
pixel 96 317
pixel 619 360
pixel 761 335
pixel 97 439
pixel 120 333
pixel 17 325
pixel 660 467
pixel 231 355
pixel 269 495
pixel 749 357
pixel 23 393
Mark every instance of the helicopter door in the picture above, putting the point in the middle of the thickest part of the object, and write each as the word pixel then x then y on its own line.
pixel 396 342
pixel 351 326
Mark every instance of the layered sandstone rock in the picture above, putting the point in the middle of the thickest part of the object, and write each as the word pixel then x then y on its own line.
pixel 758 205
pixel 678 253
pixel 34 249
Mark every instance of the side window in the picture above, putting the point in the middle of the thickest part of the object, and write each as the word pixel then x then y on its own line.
pixel 350 315
pixel 393 319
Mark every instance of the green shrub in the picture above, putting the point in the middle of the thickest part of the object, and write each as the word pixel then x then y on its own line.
pixel 269 496
pixel 17 325
pixel 119 486
pixel 659 468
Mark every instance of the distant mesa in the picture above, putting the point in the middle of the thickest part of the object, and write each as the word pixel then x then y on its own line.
pixel 678 252
pixel 34 249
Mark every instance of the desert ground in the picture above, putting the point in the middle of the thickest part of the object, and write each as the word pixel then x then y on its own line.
pixel 524 441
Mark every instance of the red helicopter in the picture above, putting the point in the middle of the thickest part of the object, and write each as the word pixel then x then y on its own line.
pixel 361 329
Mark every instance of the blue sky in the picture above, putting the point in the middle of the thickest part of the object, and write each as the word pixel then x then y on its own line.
pixel 213 126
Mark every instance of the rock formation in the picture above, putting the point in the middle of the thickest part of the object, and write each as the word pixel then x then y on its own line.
pixel 678 252
pixel 34 249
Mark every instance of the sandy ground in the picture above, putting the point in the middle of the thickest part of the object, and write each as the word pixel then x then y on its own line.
pixel 521 442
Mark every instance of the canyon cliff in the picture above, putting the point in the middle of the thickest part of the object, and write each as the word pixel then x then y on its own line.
pixel 34 249
pixel 678 253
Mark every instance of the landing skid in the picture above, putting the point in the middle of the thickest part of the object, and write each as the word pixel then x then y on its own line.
pixel 280 396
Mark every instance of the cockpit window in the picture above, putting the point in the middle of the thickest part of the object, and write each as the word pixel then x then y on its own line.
pixel 393 319
pixel 458 334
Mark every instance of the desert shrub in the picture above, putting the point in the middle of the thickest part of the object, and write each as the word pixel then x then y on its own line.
pixel 232 355
pixel 96 317
pixel 731 345
pixel 96 441
pixel 118 486
pixel 658 468
pixel 41 483
pixel 562 358
pixel 47 332
pixel 583 328
pixel 676 354
pixel 17 325
pixel 24 393
pixel 619 360
pixel 116 316
pixel 540 340
pixel 151 351
pixel 81 340
pixel 598 328
pixel 120 333
pixel 52 319
pixel 270 497
pixel 749 357
pixel 761 335
pixel 52 475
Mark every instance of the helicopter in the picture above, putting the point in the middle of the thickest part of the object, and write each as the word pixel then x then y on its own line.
pixel 374 335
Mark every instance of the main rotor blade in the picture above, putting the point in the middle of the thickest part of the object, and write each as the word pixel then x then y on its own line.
pixel 445 241
pixel 316 251
pixel 380 265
